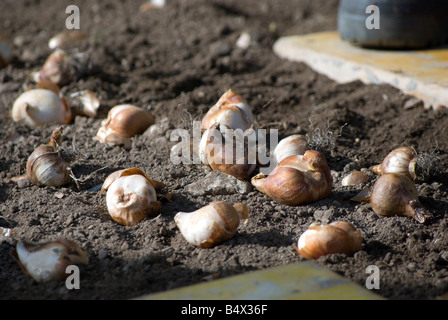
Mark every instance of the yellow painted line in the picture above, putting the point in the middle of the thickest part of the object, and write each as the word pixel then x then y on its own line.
pixel 303 280
pixel 421 73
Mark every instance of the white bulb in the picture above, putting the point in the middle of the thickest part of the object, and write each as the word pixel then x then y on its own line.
pixel 38 107
pixel 212 224
pixel 292 145
pixel 197 226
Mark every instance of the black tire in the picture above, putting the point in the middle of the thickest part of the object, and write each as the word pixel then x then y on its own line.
pixel 404 24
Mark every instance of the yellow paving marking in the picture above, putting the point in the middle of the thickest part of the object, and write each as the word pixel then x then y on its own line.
pixel 303 280
pixel 420 73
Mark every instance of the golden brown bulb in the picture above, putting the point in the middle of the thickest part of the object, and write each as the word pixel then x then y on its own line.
pixel 336 237
pixel 58 69
pixel 297 179
pixel 48 261
pixel 62 68
pixel 396 195
pixel 122 123
pixel 225 153
pixel 212 224
pixel 355 178
pixel 66 39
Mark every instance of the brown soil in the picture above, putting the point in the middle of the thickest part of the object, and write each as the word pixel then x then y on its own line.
pixel 178 61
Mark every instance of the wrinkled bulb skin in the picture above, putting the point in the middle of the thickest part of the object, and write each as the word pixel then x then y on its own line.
pixel 336 237
pixel 235 163
pixel 45 262
pixel 45 166
pixel 396 195
pixel 40 107
pixel 131 199
pixel 211 224
pixel 297 180
pixel 401 161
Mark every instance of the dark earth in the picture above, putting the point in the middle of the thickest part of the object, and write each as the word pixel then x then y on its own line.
pixel 177 61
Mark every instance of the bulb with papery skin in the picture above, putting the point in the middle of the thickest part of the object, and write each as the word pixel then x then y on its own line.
pixel 131 196
pixel 230 112
pixel 292 145
pixel 58 69
pixel 396 195
pixel 354 178
pixel 40 107
pixel 227 152
pixel 337 237
pixel 88 103
pixel 48 261
pixel 401 160
pixel 46 166
pixel 66 39
pixel 122 123
pixel 297 179
pixel 211 224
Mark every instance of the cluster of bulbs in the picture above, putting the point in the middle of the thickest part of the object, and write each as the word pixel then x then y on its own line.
pixel 49 164
pixel 300 175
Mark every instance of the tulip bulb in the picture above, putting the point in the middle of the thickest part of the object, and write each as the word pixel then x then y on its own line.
pixel 57 69
pixel 336 237
pixel 230 112
pixel 297 179
pixel 46 165
pixel 39 107
pixel 122 123
pixel 66 39
pixel 401 160
pixel 131 196
pixel 355 178
pixel 61 68
pixel 152 5
pixel 48 261
pixel 226 152
pixel 88 103
pixel 5 52
pixel 212 224
pixel 396 195
pixel 293 145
